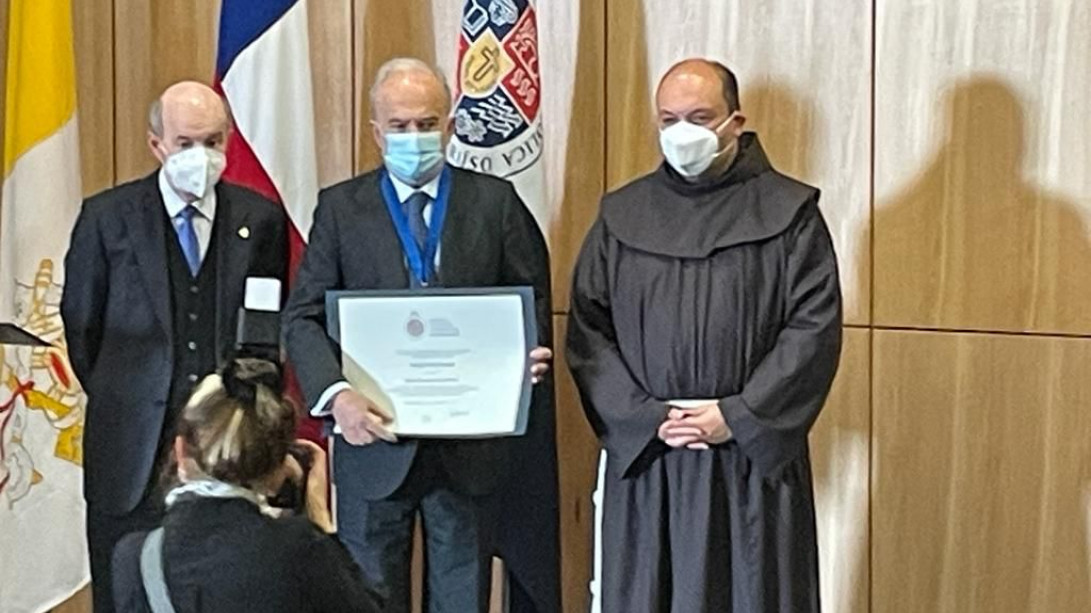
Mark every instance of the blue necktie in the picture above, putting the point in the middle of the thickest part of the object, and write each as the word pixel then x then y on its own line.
pixel 414 211
pixel 187 239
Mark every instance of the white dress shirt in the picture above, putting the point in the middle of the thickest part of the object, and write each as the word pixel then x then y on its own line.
pixel 202 221
pixel 404 191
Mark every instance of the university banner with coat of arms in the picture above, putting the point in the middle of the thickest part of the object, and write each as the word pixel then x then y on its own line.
pixel 44 559
pixel 498 130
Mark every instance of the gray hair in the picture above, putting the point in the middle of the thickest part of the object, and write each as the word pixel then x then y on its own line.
pixel 155 117
pixel 405 64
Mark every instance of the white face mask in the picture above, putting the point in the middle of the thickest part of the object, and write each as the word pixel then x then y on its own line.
pixel 690 148
pixel 195 170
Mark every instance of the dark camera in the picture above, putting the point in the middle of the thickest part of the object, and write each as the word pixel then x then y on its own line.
pixel 258 335
pixel 293 495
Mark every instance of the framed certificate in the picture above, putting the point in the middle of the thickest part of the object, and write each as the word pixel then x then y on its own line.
pixel 447 363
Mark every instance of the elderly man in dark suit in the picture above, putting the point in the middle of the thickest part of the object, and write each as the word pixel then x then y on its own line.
pixel 156 273
pixel 488 238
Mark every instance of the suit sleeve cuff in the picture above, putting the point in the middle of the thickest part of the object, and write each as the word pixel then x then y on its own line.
pixel 322 408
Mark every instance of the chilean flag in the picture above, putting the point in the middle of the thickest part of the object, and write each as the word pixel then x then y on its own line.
pixel 263 69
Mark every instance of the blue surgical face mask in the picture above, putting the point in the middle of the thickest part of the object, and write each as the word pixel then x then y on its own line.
pixel 413 157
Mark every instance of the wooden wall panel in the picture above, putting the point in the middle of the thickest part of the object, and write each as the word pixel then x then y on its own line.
pixel 982 189
pixel 155 44
pixel 982 474
pixel 385 29
pixel 806 91
pixel 78 603
pixel 840 461
pixel 330 34
pixel 585 151
pixel 631 145
pixel 577 464
pixel 93 33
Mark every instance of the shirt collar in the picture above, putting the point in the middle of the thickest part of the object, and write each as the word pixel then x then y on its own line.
pixel 404 190
pixel 174 203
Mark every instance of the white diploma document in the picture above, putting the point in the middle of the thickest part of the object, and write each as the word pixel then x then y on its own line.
pixel 446 363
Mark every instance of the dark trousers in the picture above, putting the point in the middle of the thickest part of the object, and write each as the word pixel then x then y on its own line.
pixel 379 535
pixel 103 533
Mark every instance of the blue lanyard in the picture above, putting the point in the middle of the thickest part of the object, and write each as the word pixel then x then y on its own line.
pixel 410 248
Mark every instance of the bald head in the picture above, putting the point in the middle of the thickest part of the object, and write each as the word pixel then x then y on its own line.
pixel 708 76
pixel 187 113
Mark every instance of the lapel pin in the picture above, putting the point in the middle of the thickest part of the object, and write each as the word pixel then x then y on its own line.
pixel 244 232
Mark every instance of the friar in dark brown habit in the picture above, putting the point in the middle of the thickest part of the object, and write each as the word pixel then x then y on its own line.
pixel 704 334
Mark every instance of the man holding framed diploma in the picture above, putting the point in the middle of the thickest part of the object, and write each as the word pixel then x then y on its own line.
pixel 414 323
pixel 441 363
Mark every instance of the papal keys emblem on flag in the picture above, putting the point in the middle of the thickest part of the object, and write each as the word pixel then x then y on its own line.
pixel 497 128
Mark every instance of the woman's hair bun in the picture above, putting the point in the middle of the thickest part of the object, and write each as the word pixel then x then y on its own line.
pixel 242 376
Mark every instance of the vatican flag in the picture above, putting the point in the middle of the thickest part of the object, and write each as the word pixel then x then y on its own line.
pixel 41 404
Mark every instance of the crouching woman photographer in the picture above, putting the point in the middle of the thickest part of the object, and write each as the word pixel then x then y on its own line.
pixel 221 546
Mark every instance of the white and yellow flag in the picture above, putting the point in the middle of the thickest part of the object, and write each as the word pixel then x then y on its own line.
pixel 44 559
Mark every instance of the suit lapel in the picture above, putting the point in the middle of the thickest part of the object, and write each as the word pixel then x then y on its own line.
pixel 371 220
pixel 454 258
pixel 147 228
pixel 233 237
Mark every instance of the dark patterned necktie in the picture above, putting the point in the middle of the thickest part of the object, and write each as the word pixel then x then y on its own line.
pixel 414 212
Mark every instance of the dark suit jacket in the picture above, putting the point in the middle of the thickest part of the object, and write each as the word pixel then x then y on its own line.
pixel 224 555
pixel 489 239
pixel 117 316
